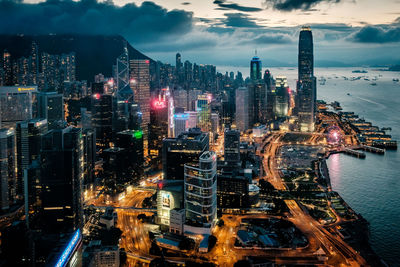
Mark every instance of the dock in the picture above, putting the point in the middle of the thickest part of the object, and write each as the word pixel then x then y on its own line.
pixel 372 149
pixel 354 153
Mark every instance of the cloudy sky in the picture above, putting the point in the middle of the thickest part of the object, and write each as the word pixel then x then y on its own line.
pixel 224 32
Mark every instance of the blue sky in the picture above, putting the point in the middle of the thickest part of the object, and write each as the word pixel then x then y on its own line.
pixel 223 32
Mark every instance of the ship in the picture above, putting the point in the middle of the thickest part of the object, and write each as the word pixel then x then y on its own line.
pixel 395 79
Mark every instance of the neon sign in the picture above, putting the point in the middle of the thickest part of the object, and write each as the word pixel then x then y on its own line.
pixel 159 104
pixel 70 248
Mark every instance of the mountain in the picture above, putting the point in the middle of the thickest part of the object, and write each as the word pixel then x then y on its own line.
pixel 94 53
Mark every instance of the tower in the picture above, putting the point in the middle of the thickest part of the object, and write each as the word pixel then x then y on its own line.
pixel 306 84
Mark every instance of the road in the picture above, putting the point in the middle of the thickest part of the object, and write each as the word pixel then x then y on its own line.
pixel 338 251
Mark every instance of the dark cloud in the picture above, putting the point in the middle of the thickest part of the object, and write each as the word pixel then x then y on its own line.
pixel 240 20
pixel 272 39
pixel 289 5
pixel 377 34
pixel 186 3
pixel 233 6
pixel 145 23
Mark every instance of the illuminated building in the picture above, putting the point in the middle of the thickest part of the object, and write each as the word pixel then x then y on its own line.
pixel 132 142
pixel 29 135
pixel 176 220
pixel 232 146
pixel 61 171
pixel 7 168
pixel 255 68
pixel 181 99
pixel 51 107
pixel 180 123
pixel 102 112
pixel 89 156
pixel 7 67
pixel 232 192
pixel 67 252
pixel 242 109
pixel 214 124
pixel 201 194
pixel 282 98
pixel 169 197
pixel 16 103
pixel 270 86
pixel 192 119
pixel 185 148
pixel 204 112
pixel 306 84
pixel 140 84
pixel 192 99
pixel 68 67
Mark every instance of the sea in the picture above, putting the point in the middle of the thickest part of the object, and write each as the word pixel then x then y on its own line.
pixel 371 186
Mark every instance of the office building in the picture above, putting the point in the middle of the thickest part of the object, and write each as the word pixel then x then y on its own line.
pixel 232 146
pixel 242 109
pixel 16 104
pixel 192 119
pixel 201 194
pixel 306 84
pixel 232 192
pixel 270 87
pixel 282 98
pixel 204 112
pixel 169 197
pixel 185 148
pixel 180 123
pixel 132 142
pixel 158 128
pixel 7 168
pixel 51 107
pixel 61 177
pixel 29 134
pixel 140 84
pixel 102 112
pixel 255 68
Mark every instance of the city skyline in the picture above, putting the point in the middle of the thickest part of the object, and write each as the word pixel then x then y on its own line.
pixel 125 142
pixel 214 31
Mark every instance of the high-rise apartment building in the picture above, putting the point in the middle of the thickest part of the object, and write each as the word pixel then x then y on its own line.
pixel 282 98
pixel 232 146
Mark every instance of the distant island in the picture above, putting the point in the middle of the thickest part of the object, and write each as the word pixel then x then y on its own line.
pixel 394 68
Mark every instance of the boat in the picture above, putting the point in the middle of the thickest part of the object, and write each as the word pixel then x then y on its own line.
pixel 359 71
pixel 348 94
pixel 373 83
pixel 395 79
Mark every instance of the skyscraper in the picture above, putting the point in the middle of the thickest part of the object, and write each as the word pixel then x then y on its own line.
pixel 201 194
pixel 204 112
pixel 16 103
pixel 51 107
pixel 140 83
pixel 7 167
pixel 306 84
pixel 242 109
pixel 62 176
pixel 232 146
pixel 29 135
pixel 187 147
pixel 255 68
pixel 102 112
pixel 281 103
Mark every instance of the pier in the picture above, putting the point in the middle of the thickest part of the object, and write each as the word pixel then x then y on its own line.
pixel 372 149
pixel 354 153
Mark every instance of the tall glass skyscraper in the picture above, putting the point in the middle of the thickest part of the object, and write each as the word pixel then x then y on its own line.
pixel 255 68
pixel 306 84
